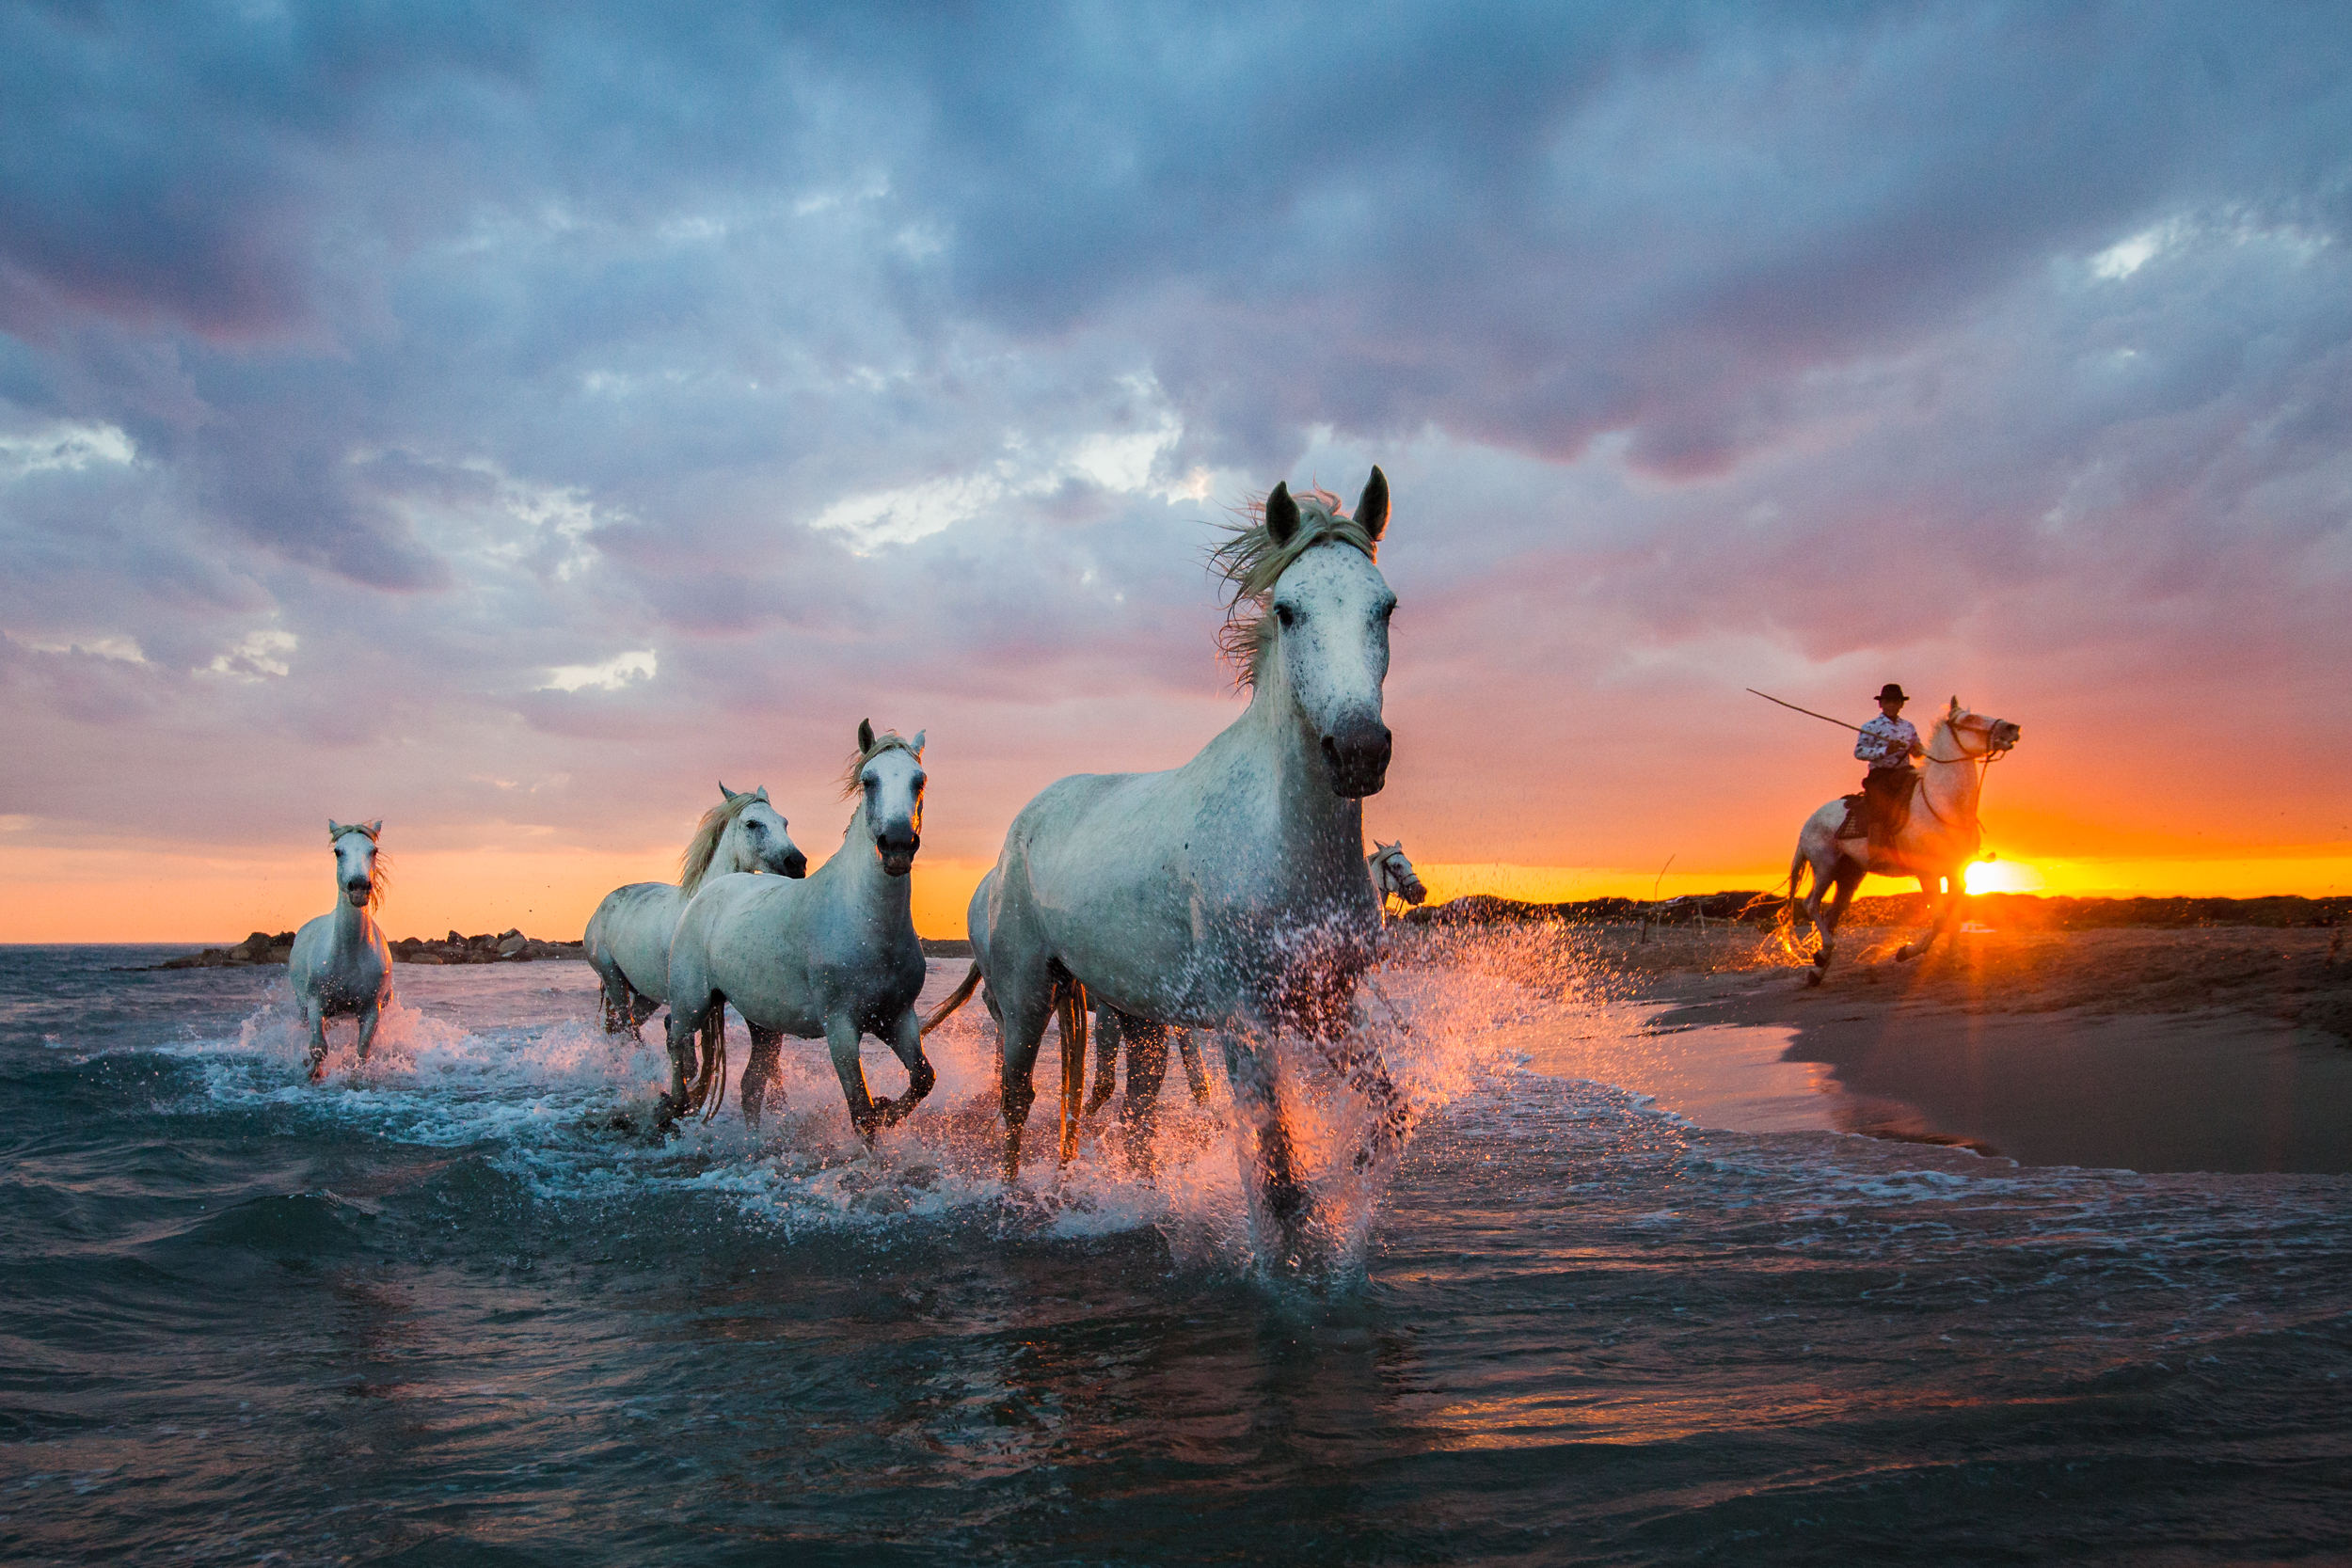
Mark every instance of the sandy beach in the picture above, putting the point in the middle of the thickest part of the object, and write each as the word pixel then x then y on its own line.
pixel 2219 1049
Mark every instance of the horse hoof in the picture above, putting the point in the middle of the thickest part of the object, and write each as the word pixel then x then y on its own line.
pixel 1902 955
pixel 1813 977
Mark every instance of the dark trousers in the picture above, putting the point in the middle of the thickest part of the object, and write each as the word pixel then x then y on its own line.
pixel 1886 793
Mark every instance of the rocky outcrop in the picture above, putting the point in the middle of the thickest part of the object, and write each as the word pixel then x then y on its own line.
pixel 507 947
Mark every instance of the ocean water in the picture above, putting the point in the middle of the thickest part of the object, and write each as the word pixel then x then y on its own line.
pixel 453 1307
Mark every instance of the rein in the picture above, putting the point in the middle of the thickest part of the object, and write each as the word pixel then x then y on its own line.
pixel 1983 761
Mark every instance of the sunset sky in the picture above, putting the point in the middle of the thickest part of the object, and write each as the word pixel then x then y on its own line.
pixel 510 421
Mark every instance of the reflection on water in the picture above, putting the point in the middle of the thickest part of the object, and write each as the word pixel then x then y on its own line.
pixel 440 1312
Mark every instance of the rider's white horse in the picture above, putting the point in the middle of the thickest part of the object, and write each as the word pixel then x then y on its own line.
pixel 1394 877
pixel 835 956
pixel 1935 845
pixel 1229 893
pixel 628 937
pixel 340 966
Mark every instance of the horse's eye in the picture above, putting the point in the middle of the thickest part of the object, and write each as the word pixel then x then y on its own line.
pixel 1282 612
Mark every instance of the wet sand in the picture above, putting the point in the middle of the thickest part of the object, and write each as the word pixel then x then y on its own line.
pixel 2213 1050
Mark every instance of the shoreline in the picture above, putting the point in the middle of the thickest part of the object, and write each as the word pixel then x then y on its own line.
pixel 2219 1050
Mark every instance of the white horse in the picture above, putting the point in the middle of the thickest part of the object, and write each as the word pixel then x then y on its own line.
pixel 1228 895
pixel 340 966
pixel 1394 877
pixel 628 939
pixel 834 955
pixel 1935 845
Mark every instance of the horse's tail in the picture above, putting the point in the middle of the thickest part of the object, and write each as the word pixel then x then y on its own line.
pixel 1796 884
pixel 710 1089
pixel 1071 1009
pixel 962 995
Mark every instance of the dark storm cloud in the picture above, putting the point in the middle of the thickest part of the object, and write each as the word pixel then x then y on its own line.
pixel 364 370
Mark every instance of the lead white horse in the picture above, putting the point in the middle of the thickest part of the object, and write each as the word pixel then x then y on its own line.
pixel 340 966
pixel 835 956
pixel 627 939
pixel 1228 895
pixel 1934 845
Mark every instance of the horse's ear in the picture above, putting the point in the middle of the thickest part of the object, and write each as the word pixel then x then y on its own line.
pixel 375 828
pixel 1372 509
pixel 1957 710
pixel 1281 514
pixel 725 793
pixel 333 829
pixel 865 735
pixel 760 794
pixel 918 741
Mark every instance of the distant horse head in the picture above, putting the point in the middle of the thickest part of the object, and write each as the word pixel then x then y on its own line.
pixel 360 876
pixel 1393 875
pixel 886 776
pixel 1977 736
pixel 742 833
pixel 1309 616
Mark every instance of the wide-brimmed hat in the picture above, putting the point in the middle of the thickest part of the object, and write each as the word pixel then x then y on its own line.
pixel 1890 692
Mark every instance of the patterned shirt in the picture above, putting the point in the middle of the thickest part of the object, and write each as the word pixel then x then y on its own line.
pixel 1886 743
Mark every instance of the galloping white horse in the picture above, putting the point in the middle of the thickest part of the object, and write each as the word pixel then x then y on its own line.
pixel 1229 893
pixel 1394 877
pixel 1934 845
pixel 628 937
pixel 340 966
pixel 835 956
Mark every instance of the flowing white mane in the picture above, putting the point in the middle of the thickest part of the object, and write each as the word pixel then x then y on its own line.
pixel 694 864
pixel 1253 561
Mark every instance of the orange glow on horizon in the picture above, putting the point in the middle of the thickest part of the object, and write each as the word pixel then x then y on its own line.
pixel 129 894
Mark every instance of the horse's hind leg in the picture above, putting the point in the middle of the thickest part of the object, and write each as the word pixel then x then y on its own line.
pixel 684 1025
pixel 1108 1032
pixel 1023 1009
pixel 758 1069
pixel 1361 1065
pixel 1848 877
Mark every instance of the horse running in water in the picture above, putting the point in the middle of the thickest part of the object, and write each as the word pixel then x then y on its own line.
pixel 340 966
pixel 1228 895
pixel 1935 845
pixel 628 937
pixel 834 955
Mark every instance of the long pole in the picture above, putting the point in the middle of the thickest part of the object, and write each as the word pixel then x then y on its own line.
pixel 1807 711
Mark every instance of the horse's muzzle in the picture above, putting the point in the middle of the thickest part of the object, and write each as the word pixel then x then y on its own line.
pixel 1358 759
pixel 796 864
pixel 358 893
pixel 898 852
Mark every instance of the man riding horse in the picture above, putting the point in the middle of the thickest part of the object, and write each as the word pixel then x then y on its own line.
pixel 1888 743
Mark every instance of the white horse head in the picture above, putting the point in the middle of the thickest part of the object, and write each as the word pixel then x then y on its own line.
pixel 1393 875
pixel 887 777
pixel 1310 619
pixel 742 833
pixel 357 875
pixel 1977 736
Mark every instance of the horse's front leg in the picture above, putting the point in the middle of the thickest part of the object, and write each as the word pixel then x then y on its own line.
pixel 1195 1075
pixel 842 1037
pixel 680 1033
pixel 1277 1196
pixel 1147 1068
pixel 906 1043
pixel 370 1015
pixel 1361 1064
pixel 316 1012
pixel 1107 1033
pixel 1942 908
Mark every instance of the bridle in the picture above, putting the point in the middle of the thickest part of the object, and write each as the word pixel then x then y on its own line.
pixel 1983 761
